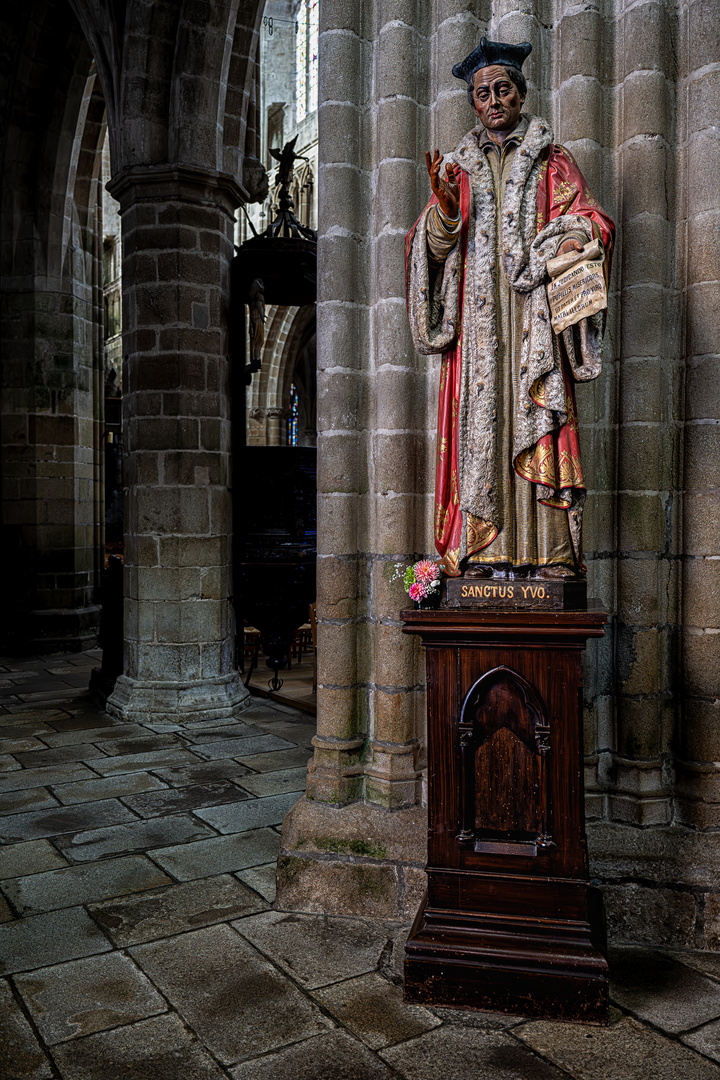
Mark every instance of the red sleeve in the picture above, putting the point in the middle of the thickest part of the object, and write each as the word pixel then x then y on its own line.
pixel 410 235
pixel 563 190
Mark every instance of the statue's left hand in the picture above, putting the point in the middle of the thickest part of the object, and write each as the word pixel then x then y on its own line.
pixel 569 245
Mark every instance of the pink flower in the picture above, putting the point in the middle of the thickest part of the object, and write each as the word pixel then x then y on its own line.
pixel 425 570
pixel 417 591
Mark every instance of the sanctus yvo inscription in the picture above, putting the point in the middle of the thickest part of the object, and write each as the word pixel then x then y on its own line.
pixel 538 593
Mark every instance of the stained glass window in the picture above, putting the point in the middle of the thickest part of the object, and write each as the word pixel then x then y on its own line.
pixel 293 419
pixel 306 58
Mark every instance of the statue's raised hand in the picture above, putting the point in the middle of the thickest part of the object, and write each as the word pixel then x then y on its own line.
pixel 446 188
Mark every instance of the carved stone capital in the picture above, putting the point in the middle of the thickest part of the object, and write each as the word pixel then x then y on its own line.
pixel 185 183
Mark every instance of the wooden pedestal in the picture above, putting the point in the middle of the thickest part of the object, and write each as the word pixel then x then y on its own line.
pixel 510 923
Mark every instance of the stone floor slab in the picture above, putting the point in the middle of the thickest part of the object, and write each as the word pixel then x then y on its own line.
pixel 83 884
pixel 218 855
pixel 253 814
pixel 81 722
pixel 158 832
pixel 458 1053
pixel 61 755
pixel 704 961
pixel 158 1049
pixel 205 734
pixel 261 879
pixel 192 727
pixel 234 1000
pixel 202 772
pixel 157 759
pixel 626 1050
pixel 373 1009
pixel 51 696
pixel 706 1039
pixel 253 744
pixel 190 797
pixel 263 710
pixel 331 1056
pixel 173 910
pixel 20 1053
pixel 49 939
pixel 140 744
pixel 85 996
pixel 34 857
pixel 298 733
pixel 486 1021
pixel 111 787
pixel 18 745
pixel 17 726
pixel 63 819
pixel 275 783
pixel 8 763
pixel 656 988
pixel 33 778
pixel 6 912
pixel 99 733
pixel 317 951
pixel 276 760
pixel 25 800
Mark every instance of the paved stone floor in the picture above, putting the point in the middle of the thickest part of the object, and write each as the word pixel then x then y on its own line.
pixel 138 939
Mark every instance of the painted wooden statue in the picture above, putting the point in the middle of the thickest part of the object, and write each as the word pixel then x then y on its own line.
pixel 509 484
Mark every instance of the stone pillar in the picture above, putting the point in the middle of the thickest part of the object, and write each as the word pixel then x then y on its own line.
pixel 649 415
pixel 50 445
pixel 335 775
pixel 359 834
pixel 393 515
pixel 581 68
pixel 51 386
pixel 177 230
pixel 698 275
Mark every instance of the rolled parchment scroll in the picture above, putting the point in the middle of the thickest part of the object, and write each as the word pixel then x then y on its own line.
pixel 577 287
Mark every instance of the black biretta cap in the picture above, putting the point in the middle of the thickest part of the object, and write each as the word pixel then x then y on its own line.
pixel 492 52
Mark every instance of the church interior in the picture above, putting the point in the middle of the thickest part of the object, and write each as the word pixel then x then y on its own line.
pixel 217 458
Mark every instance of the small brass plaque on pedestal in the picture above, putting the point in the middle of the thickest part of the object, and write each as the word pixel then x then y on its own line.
pixel 541 594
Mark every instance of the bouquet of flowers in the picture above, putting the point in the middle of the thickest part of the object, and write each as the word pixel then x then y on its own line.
pixel 422 580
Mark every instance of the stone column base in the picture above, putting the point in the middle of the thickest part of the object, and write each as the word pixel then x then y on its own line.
pixel 55 630
pixel 353 860
pixel 335 775
pixel 659 885
pixel 391 779
pixel 143 700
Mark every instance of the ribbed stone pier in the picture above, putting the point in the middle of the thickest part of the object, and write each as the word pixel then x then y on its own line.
pixel 177 228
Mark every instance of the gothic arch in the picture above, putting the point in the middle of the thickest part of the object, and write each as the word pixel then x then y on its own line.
pixel 269 395
pixel 51 328
pixel 178 76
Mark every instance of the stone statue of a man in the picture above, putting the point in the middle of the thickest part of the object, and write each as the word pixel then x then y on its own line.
pixel 509 485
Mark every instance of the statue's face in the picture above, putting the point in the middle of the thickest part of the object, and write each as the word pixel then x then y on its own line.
pixel 496 99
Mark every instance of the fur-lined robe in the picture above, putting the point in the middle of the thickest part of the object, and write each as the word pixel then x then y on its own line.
pixel 456 309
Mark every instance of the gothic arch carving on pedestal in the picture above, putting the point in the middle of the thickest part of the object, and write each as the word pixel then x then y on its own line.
pixel 505 740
